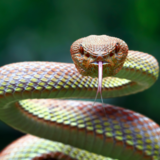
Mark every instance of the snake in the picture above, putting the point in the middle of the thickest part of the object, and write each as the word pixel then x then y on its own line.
pixel 44 100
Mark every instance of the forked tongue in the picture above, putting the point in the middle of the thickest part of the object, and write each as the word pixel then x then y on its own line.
pixel 100 76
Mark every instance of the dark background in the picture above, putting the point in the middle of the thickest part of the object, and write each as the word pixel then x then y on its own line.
pixel 36 30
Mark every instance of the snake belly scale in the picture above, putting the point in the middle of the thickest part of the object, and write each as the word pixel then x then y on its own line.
pixel 29 102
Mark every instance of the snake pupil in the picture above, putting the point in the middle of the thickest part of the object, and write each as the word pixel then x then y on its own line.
pixel 81 49
pixel 117 47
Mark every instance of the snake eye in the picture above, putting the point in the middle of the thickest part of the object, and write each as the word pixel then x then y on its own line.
pixel 81 50
pixel 117 47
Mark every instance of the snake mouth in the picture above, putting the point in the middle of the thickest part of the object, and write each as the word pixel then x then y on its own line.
pixel 97 62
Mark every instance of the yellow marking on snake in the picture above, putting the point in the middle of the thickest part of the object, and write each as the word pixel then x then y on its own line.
pixel 29 93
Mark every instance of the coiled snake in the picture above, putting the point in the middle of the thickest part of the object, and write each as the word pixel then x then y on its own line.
pixel 116 133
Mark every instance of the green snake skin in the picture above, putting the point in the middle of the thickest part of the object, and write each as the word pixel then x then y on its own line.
pixel 119 133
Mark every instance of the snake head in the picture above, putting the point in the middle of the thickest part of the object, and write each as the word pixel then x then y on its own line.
pixel 87 52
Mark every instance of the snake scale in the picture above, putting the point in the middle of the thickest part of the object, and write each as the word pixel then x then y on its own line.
pixel 75 129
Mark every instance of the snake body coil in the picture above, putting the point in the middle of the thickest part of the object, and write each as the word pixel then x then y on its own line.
pixel 120 133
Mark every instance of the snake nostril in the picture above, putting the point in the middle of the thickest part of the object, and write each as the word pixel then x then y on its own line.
pixel 94 56
pixel 87 55
pixel 111 54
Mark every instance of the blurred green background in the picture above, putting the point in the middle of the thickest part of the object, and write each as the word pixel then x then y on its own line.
pixel 38 30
